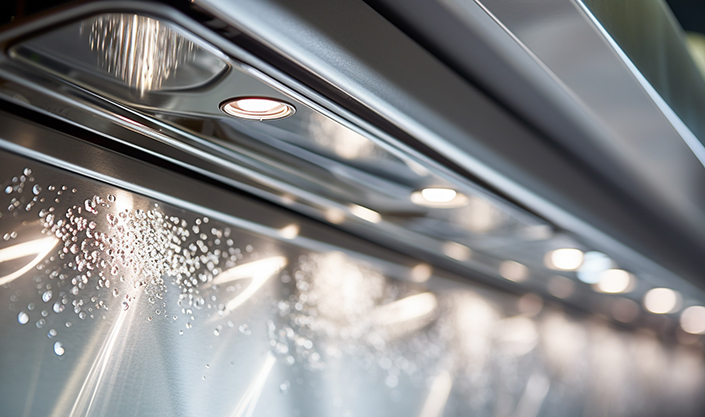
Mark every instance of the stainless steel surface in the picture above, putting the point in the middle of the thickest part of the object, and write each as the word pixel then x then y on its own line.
pixel 151 293
pixel 552 65
pixel 316 161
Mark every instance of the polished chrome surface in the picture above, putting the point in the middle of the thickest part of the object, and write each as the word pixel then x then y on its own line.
pixel 151 293
pixel 552 64
pixel 322 164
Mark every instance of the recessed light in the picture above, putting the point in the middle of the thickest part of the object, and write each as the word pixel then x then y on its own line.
pixel 661 300
pixel 438 197
pixel 567 259
pixel 257 108
pixel 615 281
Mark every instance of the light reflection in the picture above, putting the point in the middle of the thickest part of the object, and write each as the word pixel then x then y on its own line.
pixel 437 396
pixel 516 335
pixel 564 342
pixel 140 51
pixel 661 300
pixel 421 272
pixel 365 214
pixel 344 142
pixel 513 271
pixel 247 404
pixel 344 292
pixel 566 259
pixel 693 320
pixel 615 281
pixel 39 247
pixel 479 215
pixel 290 231
pixel 594 263
pixel 475 320
pixel 416 307
pixel 534 395
pixel 334 215
pixel 91 385
pixel 457 251
pixel 259 271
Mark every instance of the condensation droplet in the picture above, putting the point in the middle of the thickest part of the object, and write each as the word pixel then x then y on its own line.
pixel 23 318
pixel 46 296
pixel 284 387
pixel 36 189
pixel 41 323
pixel 245 329
pixel 59 349
pixel 116 292
pixel 125 305
pixel 52 333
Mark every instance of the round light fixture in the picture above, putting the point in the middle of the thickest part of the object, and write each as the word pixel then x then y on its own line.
pixel 615 281
pixel 257 108
pixel 438 197
pixel 567 259
pixel 661 300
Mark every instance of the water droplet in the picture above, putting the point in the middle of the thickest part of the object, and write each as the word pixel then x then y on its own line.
pixel 59 349
pixel 149 318
pixel 36 189
pixel 46 296
pixel 245 329
pixel 181 332
pixel 8 189
pixel 23 318
pixel 68 324
pixel 188 325
pixel 111 198
pixel 30 306
pixel 125 305
pixel 41 323
pixel 82 315
pixel 52 333
pixel 216 332
pixel 284 387
pixel 58 307
pixel 27 172
pixel 208 366
pixel 116 292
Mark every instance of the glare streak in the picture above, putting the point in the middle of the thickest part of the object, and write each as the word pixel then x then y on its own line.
pixel 248 402
pixel 534 395
pixel 259 271
pixel 40 247
pixel 438 396
pixel 407 309
pixel 84 400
